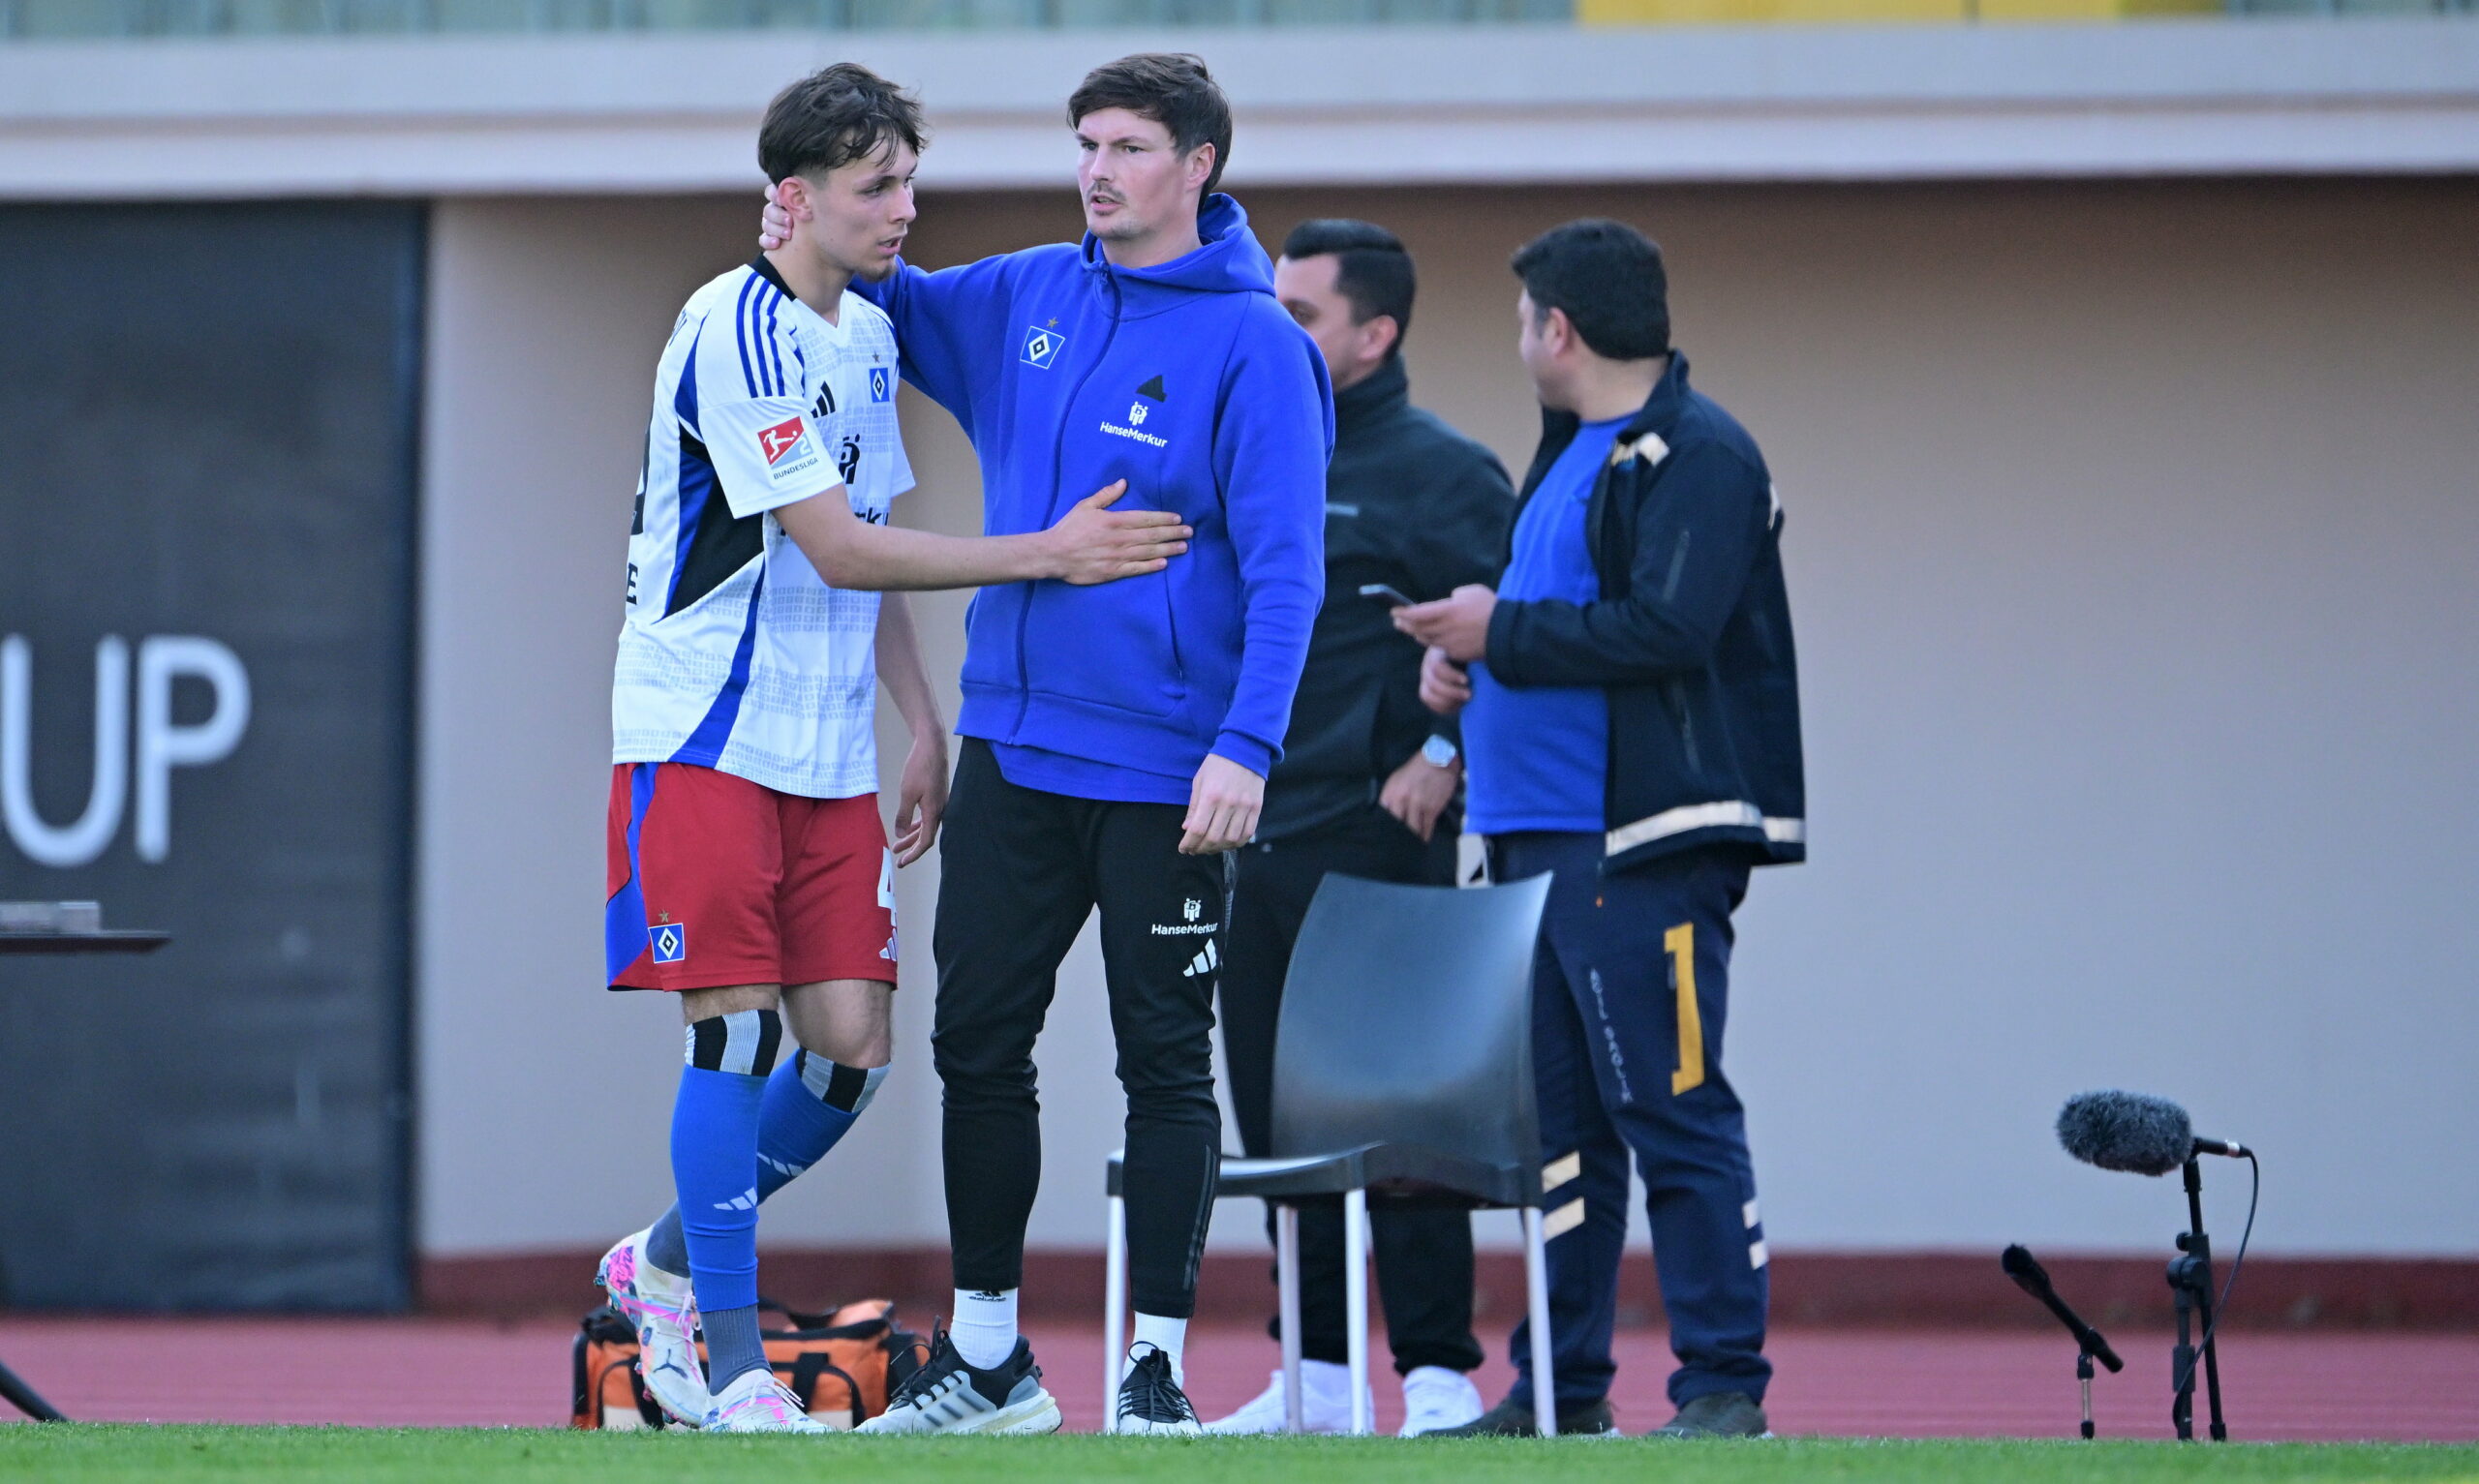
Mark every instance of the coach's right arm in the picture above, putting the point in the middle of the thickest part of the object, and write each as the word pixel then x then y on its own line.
pixel 946 326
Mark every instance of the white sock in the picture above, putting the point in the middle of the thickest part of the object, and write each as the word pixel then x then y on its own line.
pixel 984 1327
pixel 1171 1336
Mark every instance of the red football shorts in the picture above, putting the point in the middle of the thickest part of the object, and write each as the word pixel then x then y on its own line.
pixel 714 880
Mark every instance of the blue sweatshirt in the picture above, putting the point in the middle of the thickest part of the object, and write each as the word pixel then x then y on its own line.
pixel 1191 382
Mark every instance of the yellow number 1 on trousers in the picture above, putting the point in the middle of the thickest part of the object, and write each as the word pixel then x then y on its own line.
pixel 1681 942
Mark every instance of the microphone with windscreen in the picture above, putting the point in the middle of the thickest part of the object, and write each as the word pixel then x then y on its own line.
pixel 2146 1136
pixel 2130 1131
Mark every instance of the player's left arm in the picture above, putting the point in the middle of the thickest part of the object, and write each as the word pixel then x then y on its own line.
pixel 1273 432
pixel 921 796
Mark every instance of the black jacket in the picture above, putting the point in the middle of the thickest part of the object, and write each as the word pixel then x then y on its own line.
pixel 1412 503
pixel 1691 637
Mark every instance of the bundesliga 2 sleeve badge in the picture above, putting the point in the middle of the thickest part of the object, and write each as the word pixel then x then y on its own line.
pixel 787 448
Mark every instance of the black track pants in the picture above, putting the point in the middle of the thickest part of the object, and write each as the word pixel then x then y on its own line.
pixel 1020 870
pixel 1423 1257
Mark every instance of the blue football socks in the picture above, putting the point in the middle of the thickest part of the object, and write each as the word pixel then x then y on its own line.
pixel 714 1161
pixel 810 1103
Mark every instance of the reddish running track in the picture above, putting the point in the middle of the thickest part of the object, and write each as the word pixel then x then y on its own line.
pixel 1905 1384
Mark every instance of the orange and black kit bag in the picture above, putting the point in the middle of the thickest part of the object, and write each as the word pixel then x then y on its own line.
pixel 840 1364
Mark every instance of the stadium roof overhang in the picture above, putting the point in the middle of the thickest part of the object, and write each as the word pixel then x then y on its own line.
pixel 1498 105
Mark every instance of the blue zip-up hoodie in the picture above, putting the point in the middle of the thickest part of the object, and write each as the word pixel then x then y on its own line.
pixel 1191 382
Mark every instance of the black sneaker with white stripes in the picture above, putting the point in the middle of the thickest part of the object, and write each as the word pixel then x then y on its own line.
pixel 1150 1400
pixel 948 1396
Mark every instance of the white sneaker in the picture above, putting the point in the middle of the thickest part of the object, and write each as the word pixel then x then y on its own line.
pixel 946 1395
pixel 757 1403
pixel 1434 1398
pixel 1325 1404
pixel 663 1308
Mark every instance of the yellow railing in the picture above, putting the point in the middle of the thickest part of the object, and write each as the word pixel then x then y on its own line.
pixel 1744 12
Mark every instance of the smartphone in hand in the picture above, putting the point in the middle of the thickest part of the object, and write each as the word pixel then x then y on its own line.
pixel 1385 594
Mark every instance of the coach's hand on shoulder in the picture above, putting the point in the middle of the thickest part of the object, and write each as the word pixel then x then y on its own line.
pixel 1223 804
pixel 1446 688
pixel 774 224
pixel 1093 543
pixel 921 796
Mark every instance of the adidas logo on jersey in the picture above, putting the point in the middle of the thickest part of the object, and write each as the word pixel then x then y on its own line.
pixel 1208 960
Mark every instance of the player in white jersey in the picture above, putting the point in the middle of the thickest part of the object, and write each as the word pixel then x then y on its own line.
pixel 749 869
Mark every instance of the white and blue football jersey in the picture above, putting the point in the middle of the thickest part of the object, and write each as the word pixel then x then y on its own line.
pixel 735 654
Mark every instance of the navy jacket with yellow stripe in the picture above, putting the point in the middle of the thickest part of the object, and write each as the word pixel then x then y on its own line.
pixel 1689 637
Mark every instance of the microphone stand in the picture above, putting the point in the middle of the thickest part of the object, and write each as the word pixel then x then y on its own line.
pixel 2088 1342
pixel 2191 1286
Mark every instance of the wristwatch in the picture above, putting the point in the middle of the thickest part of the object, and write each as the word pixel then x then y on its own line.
pixel 1439 752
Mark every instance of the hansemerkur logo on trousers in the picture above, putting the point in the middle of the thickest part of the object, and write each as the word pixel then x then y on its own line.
pixel 1192 909
pixel 1137 412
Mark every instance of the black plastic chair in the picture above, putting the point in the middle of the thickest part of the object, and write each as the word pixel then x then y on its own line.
pixel 1402 1065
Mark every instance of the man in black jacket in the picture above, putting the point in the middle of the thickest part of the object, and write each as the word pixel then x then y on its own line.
pixel 1633 727
pixel 1367 786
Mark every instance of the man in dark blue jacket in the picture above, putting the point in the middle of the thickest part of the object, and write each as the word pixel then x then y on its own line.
pixel 1114 748
pixel 1630 723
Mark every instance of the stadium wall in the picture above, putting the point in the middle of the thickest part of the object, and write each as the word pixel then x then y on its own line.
pixel 2128 538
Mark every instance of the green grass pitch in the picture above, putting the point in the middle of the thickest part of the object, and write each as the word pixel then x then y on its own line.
pixel 83 1453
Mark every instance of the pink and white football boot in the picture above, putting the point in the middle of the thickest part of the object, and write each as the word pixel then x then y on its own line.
pixel 663 1308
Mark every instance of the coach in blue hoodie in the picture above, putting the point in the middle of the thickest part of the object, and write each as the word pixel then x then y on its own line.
pixel 1117 737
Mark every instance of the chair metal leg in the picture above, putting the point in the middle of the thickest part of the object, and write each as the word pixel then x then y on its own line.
pixel 18 1394
pixel 1535 1285
pixel 1356 1303
pixel 1113 1311
pixel 1286 1284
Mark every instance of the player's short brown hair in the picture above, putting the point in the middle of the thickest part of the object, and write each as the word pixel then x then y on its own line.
pixel 834 116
